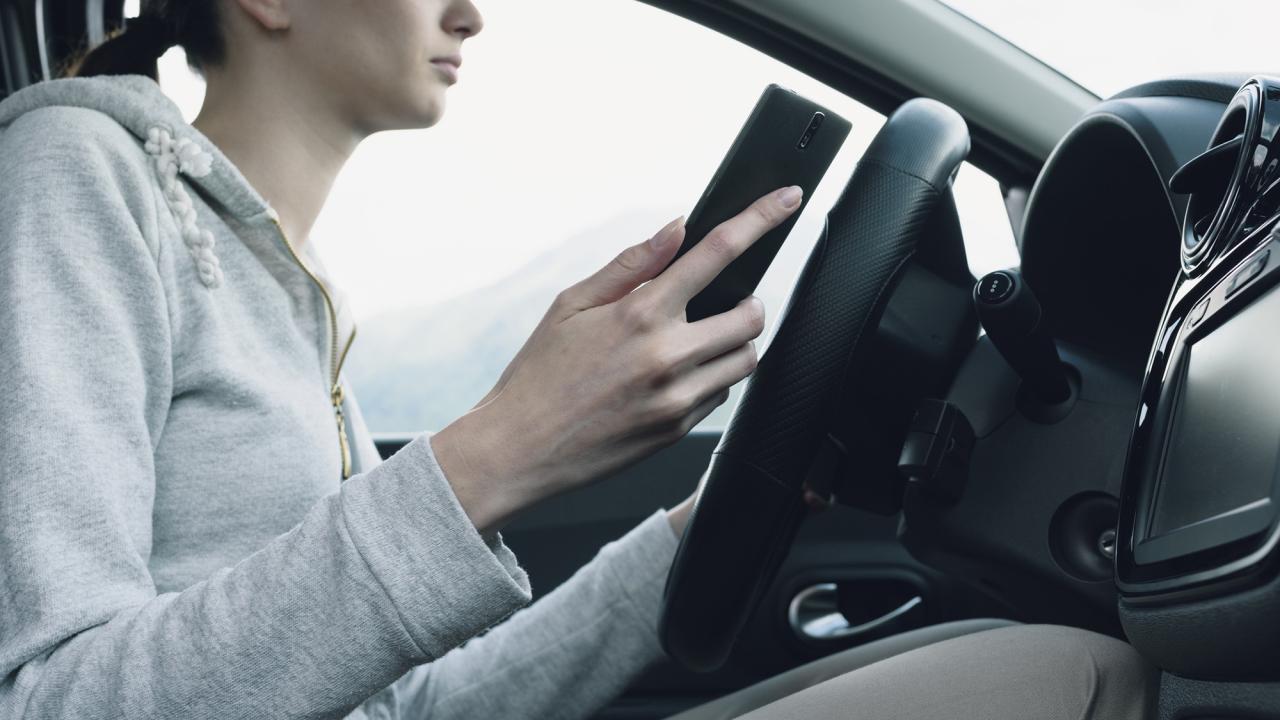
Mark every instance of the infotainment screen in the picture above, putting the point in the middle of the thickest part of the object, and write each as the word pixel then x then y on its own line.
pixel 1223 446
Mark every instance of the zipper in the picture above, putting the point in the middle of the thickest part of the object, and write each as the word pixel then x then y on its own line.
pixel 336 357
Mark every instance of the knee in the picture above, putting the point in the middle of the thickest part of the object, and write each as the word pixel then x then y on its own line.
pixel 1104 676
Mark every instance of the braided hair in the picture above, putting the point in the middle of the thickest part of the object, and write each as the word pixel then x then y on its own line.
pixel 162 24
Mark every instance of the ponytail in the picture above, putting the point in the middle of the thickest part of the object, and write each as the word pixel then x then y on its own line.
pixel 137 48
pixel 133 51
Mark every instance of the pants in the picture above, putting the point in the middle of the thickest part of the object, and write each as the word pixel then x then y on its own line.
pixel 968 670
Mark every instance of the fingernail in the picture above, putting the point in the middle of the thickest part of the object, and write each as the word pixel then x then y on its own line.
pixel 664 235
pixel 790 196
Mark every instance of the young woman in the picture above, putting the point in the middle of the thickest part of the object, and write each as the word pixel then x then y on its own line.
pixel 193 518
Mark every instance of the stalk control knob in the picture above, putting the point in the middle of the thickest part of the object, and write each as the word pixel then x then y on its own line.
pixel 1014 321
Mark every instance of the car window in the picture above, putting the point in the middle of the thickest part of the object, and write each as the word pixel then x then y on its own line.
pixel 557 150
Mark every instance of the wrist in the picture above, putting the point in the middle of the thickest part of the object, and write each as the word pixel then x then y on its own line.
pixel 483 485
pixel 678 516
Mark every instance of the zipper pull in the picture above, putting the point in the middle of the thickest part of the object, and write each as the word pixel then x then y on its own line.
pixel 343 444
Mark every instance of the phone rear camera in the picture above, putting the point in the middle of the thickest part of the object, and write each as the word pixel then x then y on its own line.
pixel 811 130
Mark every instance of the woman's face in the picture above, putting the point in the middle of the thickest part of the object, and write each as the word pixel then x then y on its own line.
pixel 383 64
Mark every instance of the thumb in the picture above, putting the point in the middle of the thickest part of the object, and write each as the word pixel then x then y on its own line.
pixel 629 270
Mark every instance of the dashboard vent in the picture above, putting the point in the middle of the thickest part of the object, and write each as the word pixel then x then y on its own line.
pixel 1218 180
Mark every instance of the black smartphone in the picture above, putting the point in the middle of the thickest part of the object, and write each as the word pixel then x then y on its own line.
pixel 786 140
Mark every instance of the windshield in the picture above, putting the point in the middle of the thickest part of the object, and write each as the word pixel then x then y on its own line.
pixel 1108 46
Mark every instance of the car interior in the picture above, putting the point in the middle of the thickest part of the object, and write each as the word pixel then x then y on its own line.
pixel 1090 439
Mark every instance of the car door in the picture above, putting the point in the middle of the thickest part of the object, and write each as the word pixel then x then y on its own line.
pixel 559 149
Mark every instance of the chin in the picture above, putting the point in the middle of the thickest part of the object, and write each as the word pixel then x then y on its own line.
pixel 411 117
pixel 427 119
pixel 427 110
pixel 404 108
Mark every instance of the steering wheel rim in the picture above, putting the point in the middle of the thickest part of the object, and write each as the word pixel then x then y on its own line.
pixel 750 501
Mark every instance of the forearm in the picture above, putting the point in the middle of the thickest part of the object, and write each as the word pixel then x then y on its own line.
pixel 567 654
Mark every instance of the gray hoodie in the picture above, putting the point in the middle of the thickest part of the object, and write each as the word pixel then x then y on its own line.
pixel 176 539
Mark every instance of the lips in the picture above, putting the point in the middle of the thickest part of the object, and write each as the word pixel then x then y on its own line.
pixel 448 66
pixel 454 60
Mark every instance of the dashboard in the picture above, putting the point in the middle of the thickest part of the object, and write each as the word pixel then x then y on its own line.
pixel 1152 241
pixel 1198 522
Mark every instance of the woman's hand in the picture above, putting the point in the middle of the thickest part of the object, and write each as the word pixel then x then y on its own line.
pixel 612 373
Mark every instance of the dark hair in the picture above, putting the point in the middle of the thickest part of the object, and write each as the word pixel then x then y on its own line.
pixel 134 50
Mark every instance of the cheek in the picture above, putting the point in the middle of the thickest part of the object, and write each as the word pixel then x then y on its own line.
pixel 383 66
pixel 372 39
pixel 385 72
pixel 404 92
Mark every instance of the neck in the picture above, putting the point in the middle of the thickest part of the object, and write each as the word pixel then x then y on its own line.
pixel 288 146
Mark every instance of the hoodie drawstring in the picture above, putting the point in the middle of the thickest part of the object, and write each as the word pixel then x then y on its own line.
pixel 184 156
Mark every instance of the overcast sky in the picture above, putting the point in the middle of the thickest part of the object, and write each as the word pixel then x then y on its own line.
pixel 571 112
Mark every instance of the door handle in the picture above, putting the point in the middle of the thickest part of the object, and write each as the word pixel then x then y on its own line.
pixel 814 614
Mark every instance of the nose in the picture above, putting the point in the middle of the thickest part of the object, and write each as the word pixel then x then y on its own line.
pixel 462 19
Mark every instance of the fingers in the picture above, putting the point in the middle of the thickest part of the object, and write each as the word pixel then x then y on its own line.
pixel 702 410
pixel 626 272
pixel 716 335
pixel 687 396
pixel 721 372
pixel 697 267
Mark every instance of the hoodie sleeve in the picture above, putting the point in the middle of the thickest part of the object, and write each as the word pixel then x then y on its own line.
pixel 569 653
pixel 385 574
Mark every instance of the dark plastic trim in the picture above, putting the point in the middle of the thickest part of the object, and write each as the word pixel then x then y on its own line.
pixel 1194 560
pixel 1218 87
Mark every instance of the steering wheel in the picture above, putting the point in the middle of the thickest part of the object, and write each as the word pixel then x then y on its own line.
pixel 750 501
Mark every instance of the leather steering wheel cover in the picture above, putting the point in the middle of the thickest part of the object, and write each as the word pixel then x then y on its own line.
pixel 750 501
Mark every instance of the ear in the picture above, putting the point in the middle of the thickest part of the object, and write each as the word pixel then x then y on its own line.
pixel 269 14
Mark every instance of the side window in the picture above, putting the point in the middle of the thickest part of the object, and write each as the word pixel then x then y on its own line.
pixel 988 235
pixel 557 150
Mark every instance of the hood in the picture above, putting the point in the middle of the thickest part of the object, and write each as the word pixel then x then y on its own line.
pixel 138 104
